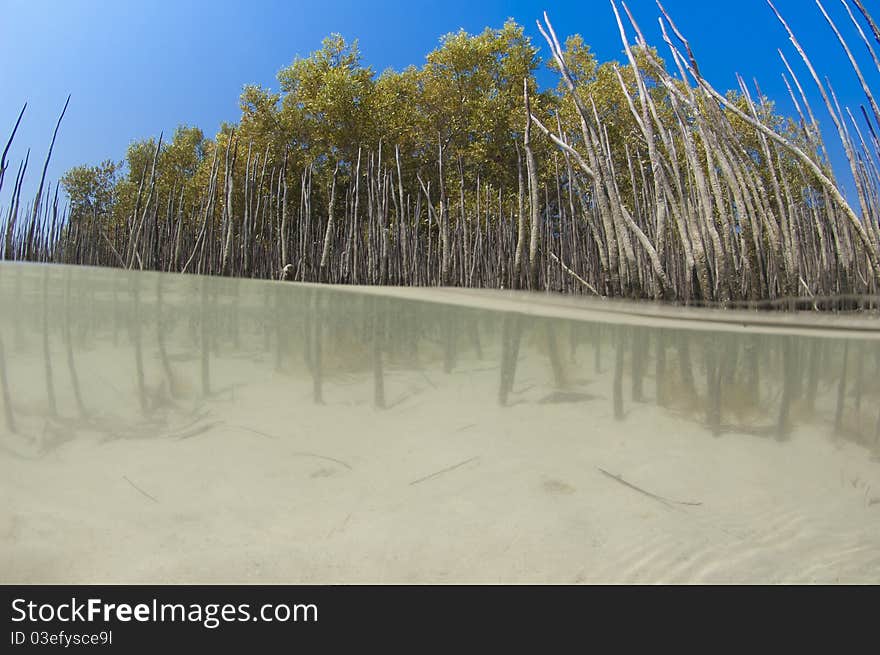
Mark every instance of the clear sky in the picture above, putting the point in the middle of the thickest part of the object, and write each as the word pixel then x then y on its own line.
pixel 134 69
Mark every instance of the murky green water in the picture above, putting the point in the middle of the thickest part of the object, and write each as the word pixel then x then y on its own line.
pixel 160 428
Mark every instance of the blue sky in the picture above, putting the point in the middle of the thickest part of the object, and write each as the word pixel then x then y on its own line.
pixel 134 69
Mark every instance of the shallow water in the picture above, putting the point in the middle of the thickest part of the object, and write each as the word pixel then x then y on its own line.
pixel 166 428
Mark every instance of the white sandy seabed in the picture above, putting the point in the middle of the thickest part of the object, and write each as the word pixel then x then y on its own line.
pixel 261 484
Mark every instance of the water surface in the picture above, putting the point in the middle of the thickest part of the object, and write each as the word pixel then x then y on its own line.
pixel 165 428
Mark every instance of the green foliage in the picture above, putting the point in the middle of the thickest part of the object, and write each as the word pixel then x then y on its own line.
pixel 579 60
pixel 472 95
pixel 91 188
pixel 177 169
pixel 327 100
pixel 467 97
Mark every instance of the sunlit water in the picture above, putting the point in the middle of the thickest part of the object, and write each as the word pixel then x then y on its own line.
pixel 165 428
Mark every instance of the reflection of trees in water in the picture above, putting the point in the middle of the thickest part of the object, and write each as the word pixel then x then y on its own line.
pixel 137 328
pixel 206 336
pixel 660 367
pixel 713 385
pixel 18 340
pixel 8 415
pixel 161 331
pixel 313 351
pixel 68 346
pixel 377 322
pixel 511 333
pixel 182 329
pixel 617 384
pixel 47 355
pixel 748 384
pixel 791 389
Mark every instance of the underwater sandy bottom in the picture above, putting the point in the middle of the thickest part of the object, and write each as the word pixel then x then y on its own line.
pixel 260 484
